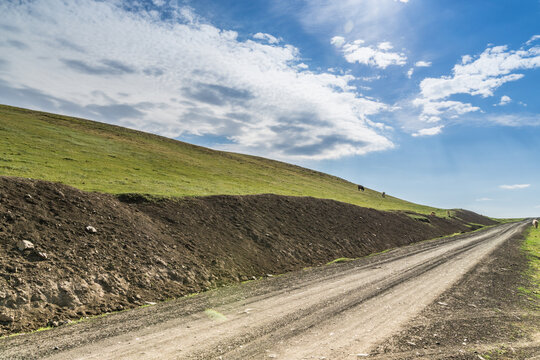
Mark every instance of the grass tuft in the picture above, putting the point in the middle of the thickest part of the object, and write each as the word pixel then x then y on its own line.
pixel 215 315
pixel 340 260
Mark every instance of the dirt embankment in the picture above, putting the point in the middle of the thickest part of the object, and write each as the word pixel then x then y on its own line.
pixel 153 250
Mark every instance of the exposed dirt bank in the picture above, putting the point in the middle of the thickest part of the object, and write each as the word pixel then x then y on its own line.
pixel 153 250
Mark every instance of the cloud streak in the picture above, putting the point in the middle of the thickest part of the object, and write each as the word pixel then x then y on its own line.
pixel 515 186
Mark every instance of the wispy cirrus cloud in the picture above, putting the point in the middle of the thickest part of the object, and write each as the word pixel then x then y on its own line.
pixel 166 70
pixel 365 19
pixel 525 119
pixel 515 186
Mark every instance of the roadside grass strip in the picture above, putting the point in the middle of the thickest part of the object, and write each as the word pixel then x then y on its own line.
pixel 340 260
pixel 531 246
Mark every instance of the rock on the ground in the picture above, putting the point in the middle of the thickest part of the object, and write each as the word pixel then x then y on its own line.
pixel 91 229
pixel 6 318
pixel 25 245
pixel 42 255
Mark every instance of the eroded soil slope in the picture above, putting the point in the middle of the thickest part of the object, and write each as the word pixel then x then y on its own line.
pixel 153 250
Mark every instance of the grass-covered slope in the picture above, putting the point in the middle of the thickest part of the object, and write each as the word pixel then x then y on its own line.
pixel 94 156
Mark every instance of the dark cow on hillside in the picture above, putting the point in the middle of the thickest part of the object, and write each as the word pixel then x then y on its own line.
pixel 383 194
pixel 535 223
pixel 360 187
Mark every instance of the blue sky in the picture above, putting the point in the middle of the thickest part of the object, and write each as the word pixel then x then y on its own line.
pixel 435 102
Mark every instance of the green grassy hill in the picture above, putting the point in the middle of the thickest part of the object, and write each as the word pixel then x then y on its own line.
pixel 94 156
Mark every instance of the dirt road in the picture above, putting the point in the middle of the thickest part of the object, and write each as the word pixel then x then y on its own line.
pixel 334 312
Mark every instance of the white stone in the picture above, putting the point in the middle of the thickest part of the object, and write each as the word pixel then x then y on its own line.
pixel 25 245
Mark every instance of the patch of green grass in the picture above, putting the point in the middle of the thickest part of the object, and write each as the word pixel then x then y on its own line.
pixel 340 260
pixel 215 315
pixel 44 328
pixel 94 156
pixel 532 246
pixel 380 252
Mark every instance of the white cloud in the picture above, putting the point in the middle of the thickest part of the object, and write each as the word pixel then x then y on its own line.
pixel 484 199
pixel 410 73
pixel 379 56
pixel 337 41
pixel 514 187
pixel 423 63
pixel 429 131
pixel 159 2
pixel 480 75
pixel 532 39
pixel 465 59
pixel 505 100
pixel 182 77
pixel 385 46
pixel 432 110
pixel 266 37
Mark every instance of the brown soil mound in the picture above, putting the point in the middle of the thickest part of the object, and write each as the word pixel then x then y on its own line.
pixel 473 218
pixel 148 250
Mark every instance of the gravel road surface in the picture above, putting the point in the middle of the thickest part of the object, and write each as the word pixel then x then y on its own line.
pixel 341 311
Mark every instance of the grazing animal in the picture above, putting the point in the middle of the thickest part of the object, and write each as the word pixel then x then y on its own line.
pixel 360 187
pixel 535 223
pixel 433 213
pixel 383 194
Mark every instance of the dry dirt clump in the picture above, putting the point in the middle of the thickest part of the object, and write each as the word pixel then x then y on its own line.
pixel 93 253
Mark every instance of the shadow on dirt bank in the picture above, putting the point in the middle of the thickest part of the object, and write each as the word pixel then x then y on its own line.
pixel 94 253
